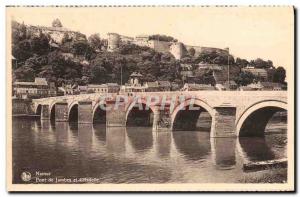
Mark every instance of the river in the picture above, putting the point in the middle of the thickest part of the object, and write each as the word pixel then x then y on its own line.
pixel 136 154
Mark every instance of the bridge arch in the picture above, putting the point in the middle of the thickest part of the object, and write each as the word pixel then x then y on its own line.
pixel 73 112
pixel 260 114
pixel 147 109
pixel 38 110
pixel 99 114
pixel 186 103
pixel 52 111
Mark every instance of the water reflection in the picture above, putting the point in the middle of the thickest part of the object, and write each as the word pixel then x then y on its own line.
pixel 136 154
pixel 85 136
pixel 140 138
pixel 45 125
pixel 163 141
pixel 193 145
pixel 115 140
pixel 100 132
pixel 256 149
pixel 224 152
pixel 62 132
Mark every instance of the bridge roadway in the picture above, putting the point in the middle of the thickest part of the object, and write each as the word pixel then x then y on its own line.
pixel 233 113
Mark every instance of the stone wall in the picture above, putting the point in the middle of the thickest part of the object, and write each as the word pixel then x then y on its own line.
pixel 21 106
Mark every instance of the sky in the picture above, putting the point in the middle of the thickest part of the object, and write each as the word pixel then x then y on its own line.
pixel 249 32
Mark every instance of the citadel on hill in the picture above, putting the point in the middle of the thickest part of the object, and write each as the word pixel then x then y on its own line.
pixel 159 43
pixel 177 49
pixel 70 63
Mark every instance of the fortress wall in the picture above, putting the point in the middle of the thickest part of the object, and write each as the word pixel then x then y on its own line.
pixel 197 49
pixel 55 33
pixel 161 46
pixel 211 49
pixel 178 50
pixel 200 49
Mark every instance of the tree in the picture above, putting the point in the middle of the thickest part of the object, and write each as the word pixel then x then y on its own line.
pixel 22 50
pixel 192 51
pixel 82 48
pixel 244 78
pixel 66 38
pixel 24 73
pixel 162 38
pixel 260 63
pixel 279 75
pixel 241 62
pixel 214 58
pixel 40 44
pixel 56 23
pixel 95 41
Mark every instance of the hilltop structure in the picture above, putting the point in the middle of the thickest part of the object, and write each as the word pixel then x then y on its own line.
pixel 57 32
pixel 177 49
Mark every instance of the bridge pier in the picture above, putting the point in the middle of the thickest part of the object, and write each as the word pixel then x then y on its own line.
pixel 223 122
pixel 45 115
pixel 115 114
pixel 161 118
pixel 61 111
pixel 85 112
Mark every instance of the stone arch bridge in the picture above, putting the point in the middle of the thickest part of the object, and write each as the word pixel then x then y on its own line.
pixel 233 113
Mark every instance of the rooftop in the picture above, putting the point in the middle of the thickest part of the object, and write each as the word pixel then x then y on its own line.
pixel 37 81
pixel 136 74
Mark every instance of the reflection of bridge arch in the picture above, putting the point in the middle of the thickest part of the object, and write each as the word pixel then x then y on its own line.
pixel 52 111
pixel 255 118
pixel 193 145
pixel 187 103
pixel 135 104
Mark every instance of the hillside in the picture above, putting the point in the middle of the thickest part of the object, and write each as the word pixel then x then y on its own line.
pixel 65 56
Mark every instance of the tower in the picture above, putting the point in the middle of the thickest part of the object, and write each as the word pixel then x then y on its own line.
pixel 113 41
pixel 177 49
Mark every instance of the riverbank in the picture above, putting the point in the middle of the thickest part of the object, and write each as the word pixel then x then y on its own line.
pixel 270 175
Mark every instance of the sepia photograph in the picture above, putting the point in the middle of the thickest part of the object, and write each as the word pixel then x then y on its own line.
pixel 150 98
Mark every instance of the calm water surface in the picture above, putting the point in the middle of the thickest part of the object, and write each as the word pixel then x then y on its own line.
pixel 136 154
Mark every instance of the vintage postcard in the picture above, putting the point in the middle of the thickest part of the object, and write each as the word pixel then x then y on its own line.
pixel 138 98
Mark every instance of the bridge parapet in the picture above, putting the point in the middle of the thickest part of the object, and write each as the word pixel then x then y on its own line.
pixel 225 107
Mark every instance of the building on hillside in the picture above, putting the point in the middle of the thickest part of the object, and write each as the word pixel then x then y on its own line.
pixel 263 86
pixel 187 73
pixel 231 85
pixel 52 89
pixel 97 88
pixel 164 86
pixel 260 73
pixel 37 89
pixel 197 87
pixel 134 84
pixel 135 79
pixel 271 86
pixel 113 88
pixel 158 86
pixel 82 89
pixel 66 90
pixel 141 40
pixel 175 86
pixel 151 86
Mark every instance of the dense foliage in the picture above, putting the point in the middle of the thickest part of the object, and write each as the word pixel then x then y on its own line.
pixel 84 61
